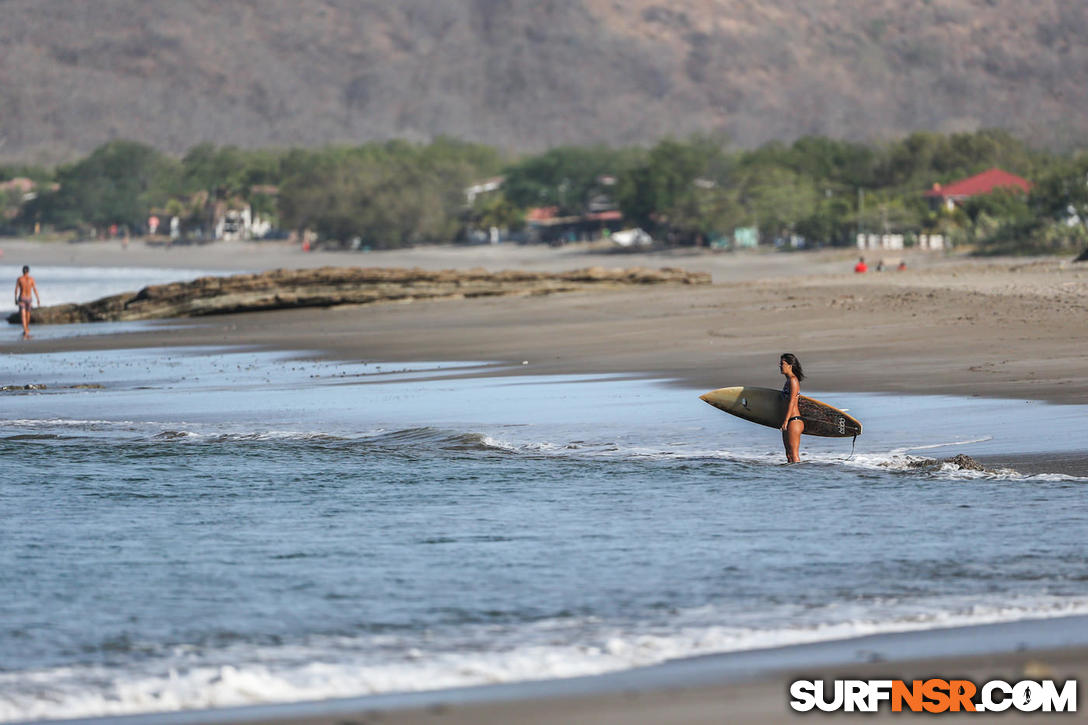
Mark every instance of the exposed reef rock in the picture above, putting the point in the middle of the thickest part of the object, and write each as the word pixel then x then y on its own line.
pixel 33 387
pixel 962 462
pixel 330 286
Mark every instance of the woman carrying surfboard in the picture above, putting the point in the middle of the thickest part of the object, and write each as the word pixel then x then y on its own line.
pixel 793 425
pixel 783 409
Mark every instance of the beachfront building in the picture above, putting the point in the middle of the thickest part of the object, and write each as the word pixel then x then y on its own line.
pixel 985 183
pixel 21 188
pixel 201 218
pixel 14 193
pixel 880 241
pixel 484 187
pixel 234 224
pixel 745 237
pixel 896 242
pixel 545 225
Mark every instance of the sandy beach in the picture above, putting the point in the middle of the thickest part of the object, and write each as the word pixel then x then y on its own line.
pixel 1006 328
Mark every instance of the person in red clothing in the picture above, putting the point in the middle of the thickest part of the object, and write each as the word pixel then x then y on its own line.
pixel 861 267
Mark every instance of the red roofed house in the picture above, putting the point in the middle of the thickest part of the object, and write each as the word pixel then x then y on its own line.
pixel 984 183
pixel 542 214
pixel 15 193
pixel 546 225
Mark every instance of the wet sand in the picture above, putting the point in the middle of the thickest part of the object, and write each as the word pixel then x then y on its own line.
pixel 1005 328
pixel 1070 464
pixel 764 700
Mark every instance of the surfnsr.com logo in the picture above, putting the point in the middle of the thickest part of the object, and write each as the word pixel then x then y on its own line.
pixel 933 696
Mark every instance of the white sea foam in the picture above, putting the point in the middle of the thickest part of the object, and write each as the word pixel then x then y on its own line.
pixel 932 446
pixel 356 667
pixel 489 442
pixel 894 461
pixel 73 423
pixel 897 460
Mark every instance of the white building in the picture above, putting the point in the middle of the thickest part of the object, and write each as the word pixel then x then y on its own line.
pixel 238 224
pixel 927 242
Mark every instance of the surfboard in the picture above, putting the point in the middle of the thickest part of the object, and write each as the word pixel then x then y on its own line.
pixel 767 406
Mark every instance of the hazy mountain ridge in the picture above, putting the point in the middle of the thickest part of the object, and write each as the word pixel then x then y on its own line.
pixel 527 74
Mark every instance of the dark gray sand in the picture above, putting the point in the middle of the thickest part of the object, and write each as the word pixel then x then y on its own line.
pixel 1069 464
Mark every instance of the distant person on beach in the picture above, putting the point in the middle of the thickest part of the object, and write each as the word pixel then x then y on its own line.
pixel 793 425
pixel 880 266
pixel 902 266
pixel 24 286
pixel 861 267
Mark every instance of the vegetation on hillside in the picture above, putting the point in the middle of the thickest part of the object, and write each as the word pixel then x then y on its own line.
pixel 682 191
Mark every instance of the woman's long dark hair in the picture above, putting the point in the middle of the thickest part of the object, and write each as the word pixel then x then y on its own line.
pixel 795 364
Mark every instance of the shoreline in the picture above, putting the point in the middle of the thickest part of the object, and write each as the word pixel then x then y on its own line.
pixel 1036 455
pixel 853 335
pixel 976 338
pixel 752 683
pixel 995 327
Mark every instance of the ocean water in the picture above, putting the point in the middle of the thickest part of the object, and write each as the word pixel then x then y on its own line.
pixel 223 527
pixel 66 284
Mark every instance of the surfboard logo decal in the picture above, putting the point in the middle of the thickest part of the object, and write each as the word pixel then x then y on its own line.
pixel 842 425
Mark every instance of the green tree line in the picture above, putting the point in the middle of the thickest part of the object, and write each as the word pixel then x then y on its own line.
pixel 683 191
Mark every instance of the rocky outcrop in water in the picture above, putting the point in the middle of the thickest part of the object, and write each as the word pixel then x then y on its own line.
pixel 961 461
pixel 331 286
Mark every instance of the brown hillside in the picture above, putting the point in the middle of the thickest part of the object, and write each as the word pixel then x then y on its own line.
pixel 527 74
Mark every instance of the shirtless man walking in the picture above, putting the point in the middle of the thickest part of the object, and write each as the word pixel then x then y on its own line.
pixel 23 287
